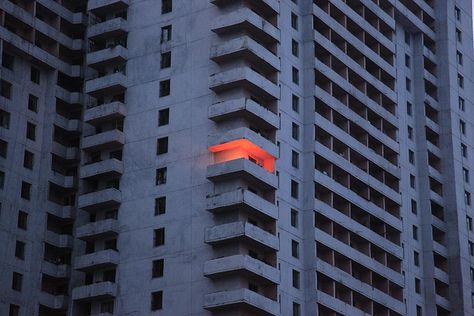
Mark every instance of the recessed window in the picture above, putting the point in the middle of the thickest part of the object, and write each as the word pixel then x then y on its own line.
pixel 160 205
pixel 25 190
pixel 459 58
pixel 35 75
pixel 165 60
pixel 166 33
pixel 295 131
pixel 14 310
pixel 462 127
pixel 20 250
pixel 295 103
pixel 166 6
pixel 4 119
pixel 107 307
pixel 7 60
pixel 469 223
pixel 158 267
pixel 294 189
pixel 408 84
pixel 163 117
pixel 295 251
pixel 159 237
pixel 30 131
pixel 3 148
pixel 294 218
pixel 407 61
pixel 467 198
pixel 409 109
pixel 2 179
pixel 295 75
pixel 296 309
pixel 415 232
pixel 161 176
pixel 417 285
pixel 465 173
pixel 461 104
pixel 411 156
pixel 457 13
pixel 5 89
pixel 17 281
pixel 296 279
pixel 295 48
pixel 416 258
pixel 410 132
pixel 33 103
pixel 162 146
pixel 157 300
pixel 464 150
pixel 412 181
pixel 407 38
pixel 458 35
pixel 295 159
pixel 414 208
pixel 165 88
pixel 460 81
pixel 28 159
pixel 294 21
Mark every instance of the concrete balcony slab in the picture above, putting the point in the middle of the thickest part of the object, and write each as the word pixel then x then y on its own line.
pixel 109 167
pixel 104 6
pixel 57 240
pixel 108 56
pixel 241 298
pixel 73 126
pixel 97 260
pixel 107 29
pixel 64 212
pixel 96 291
pixel 100 199
pixel 105 112
pixel 101 229
pixel 60 271
pixel 104 140
pixel 109 84
pixel 56 302
pixel 67 153
pixel 267 7
pixel 66 182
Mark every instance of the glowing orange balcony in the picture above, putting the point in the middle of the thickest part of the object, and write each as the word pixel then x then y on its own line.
pixel 243 148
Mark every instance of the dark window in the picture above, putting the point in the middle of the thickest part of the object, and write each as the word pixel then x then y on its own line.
pixel 417 285
pixel 159 237
pixel 295 103
pixel 35 75
pixel 165 88
pixel 2 179
pixel 409 108
pixel 460 81
pixel 165 60
pixel 17 280
pixel 162 145
pixel 20 250
pixel 296 309
pixel 412 181
pixel 163 117
pixel 30 131
pixel 294 189
pixel 295 251
pixel 419 311
pixel 3 148
pixel 295 48
pixel 411 156
pixel 5 89
pixel 4 119
pixel 414 208
pixel 25 190
pixel 33 103
pixel 107 307
pixel 158 268
pixel 160 205
pixel 295 131
pixel 416 258
pixel 109 276
pixel 407 61
pixel 295 75
pixel 166 6
pixel 157 300
pixel 294 21
pixel 166 33
pixel 161 176
pixel 28 159
pixel 14 310
pixel 408 84
pixel 410 132
pixel 461 104
pixel 296 279
pixel 415 232
pixel 294 218
pixel 295 159
pixel 7 60
pixel 110 244
pixel 464 150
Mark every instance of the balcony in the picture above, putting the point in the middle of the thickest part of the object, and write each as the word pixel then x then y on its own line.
pixel 104 6
pixel 67 182
pixel 246 20
pixel 108 29
pixel 267 7
pixel 104 198
pixel 69 97
pixel 242 265
pixel 96 291
pixel 61 211
pixel 244 108
pixel 248 49
pixel 244 169
pixel 57 240
pixel 110 84
pixel 247 78
pixel 67 153
pixel 110 167
pixel 60 271
pixel 242 199
pixel 73 126
pixel 241 298
pixel 242 231
pixel 57 302
pixel 97 260
pixel 106 57
pixel 101 229
pixel 106 112
pixel 103 141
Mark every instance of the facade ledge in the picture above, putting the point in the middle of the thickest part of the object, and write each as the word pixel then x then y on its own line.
pixel 241 298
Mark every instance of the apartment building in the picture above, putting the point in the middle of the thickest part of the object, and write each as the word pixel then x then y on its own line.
pixel 236 157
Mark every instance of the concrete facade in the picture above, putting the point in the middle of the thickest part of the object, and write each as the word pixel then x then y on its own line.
pixel 247 157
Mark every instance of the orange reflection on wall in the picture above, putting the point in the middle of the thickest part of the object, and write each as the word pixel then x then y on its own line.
pixel 243 148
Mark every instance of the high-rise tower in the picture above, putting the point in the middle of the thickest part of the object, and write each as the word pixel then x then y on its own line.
pixel 236 157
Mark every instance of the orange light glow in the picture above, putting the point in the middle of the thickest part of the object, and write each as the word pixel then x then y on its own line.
pixel 243 148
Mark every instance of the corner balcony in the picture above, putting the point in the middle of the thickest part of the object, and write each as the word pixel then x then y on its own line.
pixel 109 167
pixel 244 108
pixel 64 212
pixel 67 182
pixel 248 49
pixel 242 298
pixel 242 265
pixel 108 29
pixel 100 199
pixel 102 141
pixel 97 260
pixel 245 169
pixel 74 126
pixel 69 97
pixel 242 199
pixel 67 153
pixel 246 20
pixel 246 78
pixel 57 302
pixel 105 112
pixel 242 231
pixel 57 240
pixel 104 6
pixel 101 229
pixel 110 84
pixel 267 7
pixel 60 271
pixel 106 57
pixel 96 291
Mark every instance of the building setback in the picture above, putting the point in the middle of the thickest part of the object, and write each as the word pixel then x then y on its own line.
pixel 236 157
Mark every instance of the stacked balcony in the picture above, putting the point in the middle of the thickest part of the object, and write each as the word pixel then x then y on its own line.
pixel 242 167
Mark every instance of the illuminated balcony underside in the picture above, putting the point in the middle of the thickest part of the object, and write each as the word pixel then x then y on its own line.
pixel 108 56
pixel 244 200
pixel 242 231
pixel 241 299
pixel 243 265
pixel 104 6
pixel 269 7
pixel 245 169
pixel 101 229
pixel 109 167
pixel 106 112
pixel 100 199
pixel 97 260
pixel 244 108
pixel 96 291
